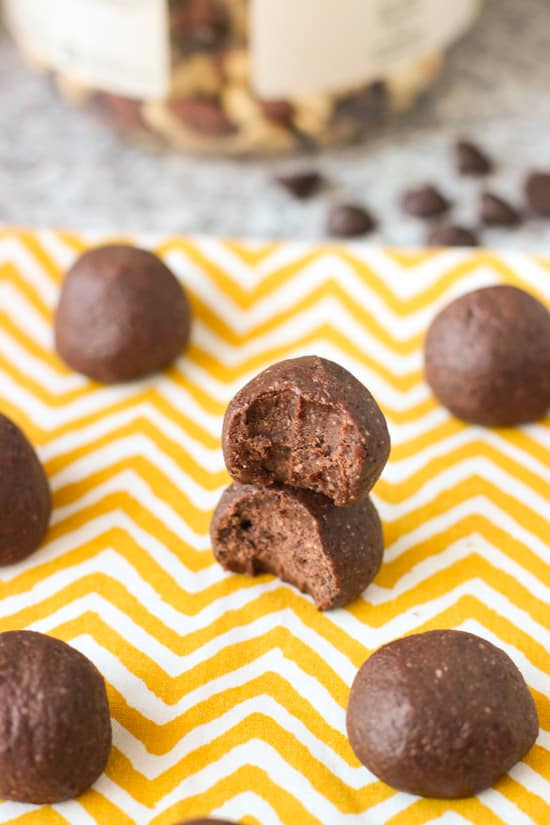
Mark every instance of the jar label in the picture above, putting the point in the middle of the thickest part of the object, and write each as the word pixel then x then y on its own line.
pixel 121 46
pixel 311 46
pixel 297 46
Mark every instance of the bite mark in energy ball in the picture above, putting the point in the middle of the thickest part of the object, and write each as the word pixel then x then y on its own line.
pixel 122 315
pixel 25 500
pixel 332 553
pixel 487 357
pixel 55 726
pixel 306 422
pixel 440 714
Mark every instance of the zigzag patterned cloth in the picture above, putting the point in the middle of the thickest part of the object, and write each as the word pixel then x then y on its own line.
pixel 228 694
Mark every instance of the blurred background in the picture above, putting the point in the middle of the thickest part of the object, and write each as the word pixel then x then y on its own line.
pixel 62 166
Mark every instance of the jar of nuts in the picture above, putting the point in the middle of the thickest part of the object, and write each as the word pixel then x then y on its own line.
pixel 241 76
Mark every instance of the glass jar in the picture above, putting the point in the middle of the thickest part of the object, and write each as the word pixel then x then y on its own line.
pixel 241 76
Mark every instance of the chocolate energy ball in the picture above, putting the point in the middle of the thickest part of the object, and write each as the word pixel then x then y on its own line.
pixel 55 727
pixel 25 501
pixel 441 714
pixel 206 822
pixel 122 315
pixel 330 552
pixel 309 423
pixel 487 357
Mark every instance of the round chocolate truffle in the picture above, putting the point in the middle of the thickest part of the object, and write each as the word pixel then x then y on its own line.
pixel 55 727
pixel 306 422
pixel 487 357
pixel 25 501
pixel 330 552
pixel 122 315
pixel 440 714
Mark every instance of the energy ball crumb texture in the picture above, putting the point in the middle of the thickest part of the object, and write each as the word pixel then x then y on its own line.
pixel 307 423
pixel 332 553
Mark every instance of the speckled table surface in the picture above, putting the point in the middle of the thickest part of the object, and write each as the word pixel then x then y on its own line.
pixel 60 167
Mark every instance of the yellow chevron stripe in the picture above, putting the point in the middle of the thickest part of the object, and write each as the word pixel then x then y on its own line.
pixel 279 620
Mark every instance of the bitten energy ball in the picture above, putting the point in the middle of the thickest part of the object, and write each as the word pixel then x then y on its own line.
pixel 55 727
pixel 122 315
pixel 25 501
pixel 487 357
pixel 308 423
pixel 440 714
pixel 330 552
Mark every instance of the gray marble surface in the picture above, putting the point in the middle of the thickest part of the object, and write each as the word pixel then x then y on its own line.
pixel 59 167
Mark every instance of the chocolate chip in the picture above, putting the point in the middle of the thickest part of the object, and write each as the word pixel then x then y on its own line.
pixel 495 211
pixel 300 184
pixel 281 111
pixel 202 115
pixel 346 220
pixel 424 202
pixel 449 234
pixel 537 192
pixel 471 160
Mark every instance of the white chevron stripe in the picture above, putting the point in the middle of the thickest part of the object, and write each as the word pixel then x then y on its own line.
pixel 460 549
pixel 97 527
pixel 476 506
pixel 84 436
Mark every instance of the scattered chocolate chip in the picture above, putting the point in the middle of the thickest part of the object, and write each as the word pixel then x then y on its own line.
pixel 471 160
pixel 332 553
pixel 537 192
pixel 306 422
pixel 495 211
pixel 346 220
pixel 442 714
pixel 122 314
pixel 424 202
pixel 55 725
pixel 203 115
pixel 449 234
pixel 300 184
pixel 280 111
pixel 25 501
pixel 487 357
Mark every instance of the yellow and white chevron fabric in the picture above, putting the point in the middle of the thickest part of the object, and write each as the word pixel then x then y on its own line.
pixel 228 694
